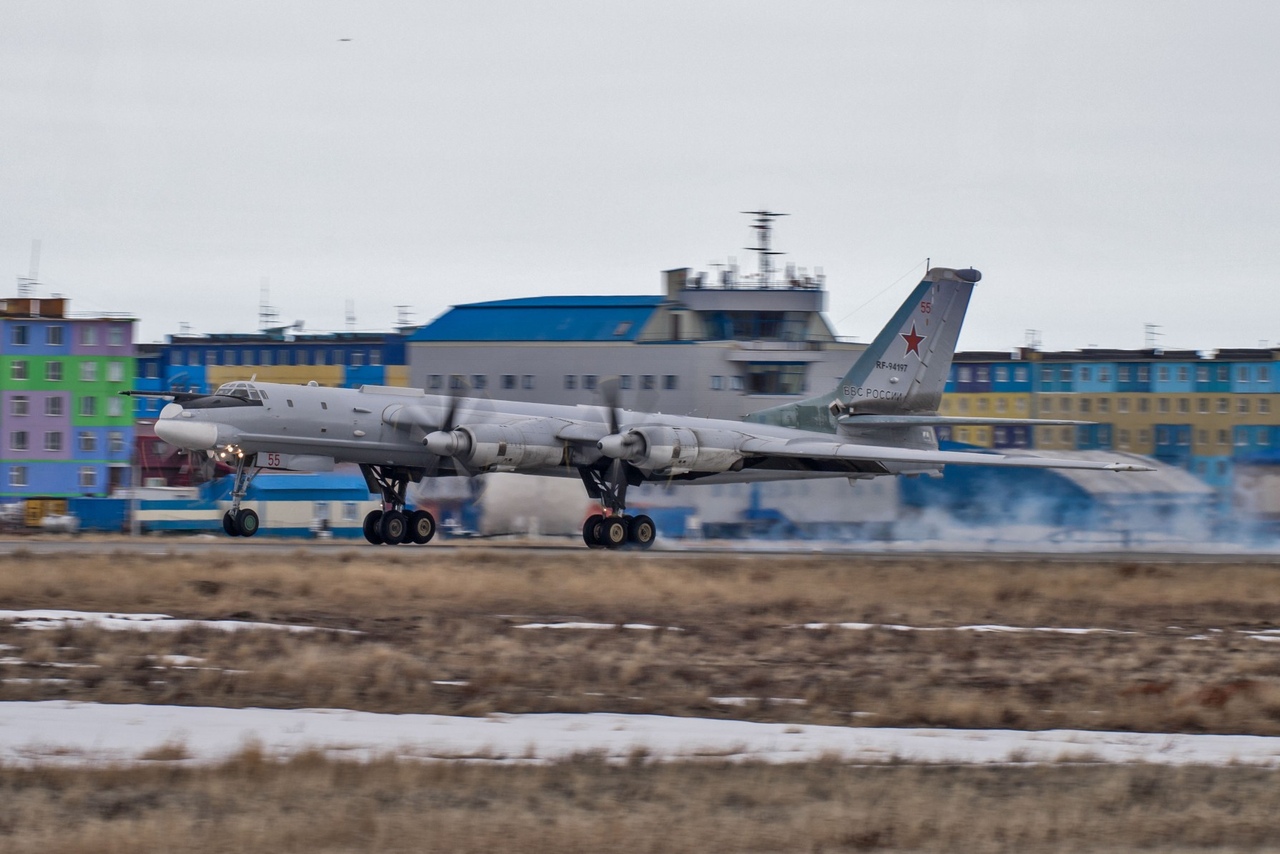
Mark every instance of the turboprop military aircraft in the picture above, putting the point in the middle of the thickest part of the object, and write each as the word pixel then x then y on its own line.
pixel 877 421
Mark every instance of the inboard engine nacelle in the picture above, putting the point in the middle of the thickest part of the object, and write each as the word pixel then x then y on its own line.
pixel 674 450
pixel 497 446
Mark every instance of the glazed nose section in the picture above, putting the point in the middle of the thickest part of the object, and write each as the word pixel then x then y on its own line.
pixel 192 435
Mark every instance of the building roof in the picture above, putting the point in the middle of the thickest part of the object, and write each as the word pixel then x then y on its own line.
pixel 564 318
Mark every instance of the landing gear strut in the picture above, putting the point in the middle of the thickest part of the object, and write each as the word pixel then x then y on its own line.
pixel 239 522
pixel 392 525
pixel 613 528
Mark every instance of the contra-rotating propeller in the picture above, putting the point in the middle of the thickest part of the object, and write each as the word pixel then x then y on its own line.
pixel 446 441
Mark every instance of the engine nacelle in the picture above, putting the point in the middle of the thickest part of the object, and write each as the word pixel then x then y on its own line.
pixel 507 447
pixel 674 450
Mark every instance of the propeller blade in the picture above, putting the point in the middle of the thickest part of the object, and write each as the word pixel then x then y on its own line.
pixel 609 393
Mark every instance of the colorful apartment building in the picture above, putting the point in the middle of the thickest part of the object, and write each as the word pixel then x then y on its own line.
pixel 65 429
pixel 1207 413
pixel 204 362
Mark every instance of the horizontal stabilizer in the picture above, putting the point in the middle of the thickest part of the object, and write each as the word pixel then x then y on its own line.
pixel 947 420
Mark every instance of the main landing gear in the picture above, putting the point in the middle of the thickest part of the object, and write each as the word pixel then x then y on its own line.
pixel 239 522
pixel 392 526
pixel 613 528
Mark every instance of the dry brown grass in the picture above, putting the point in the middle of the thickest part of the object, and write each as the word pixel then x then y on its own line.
pixel 314 804
pixel 444 616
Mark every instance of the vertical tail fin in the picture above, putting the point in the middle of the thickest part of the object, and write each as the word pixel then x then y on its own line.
pixel 904 370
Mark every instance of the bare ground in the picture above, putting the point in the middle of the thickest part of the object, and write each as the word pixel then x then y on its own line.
pixel 1177 648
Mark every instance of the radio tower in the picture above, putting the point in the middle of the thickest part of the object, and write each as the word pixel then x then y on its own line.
pixel 763 226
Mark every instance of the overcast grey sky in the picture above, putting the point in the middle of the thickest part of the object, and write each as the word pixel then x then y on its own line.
pixel 1105 164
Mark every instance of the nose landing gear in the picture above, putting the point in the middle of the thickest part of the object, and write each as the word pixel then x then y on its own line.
pixel 238 522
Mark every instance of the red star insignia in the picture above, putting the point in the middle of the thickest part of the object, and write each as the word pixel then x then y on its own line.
pixel 913 340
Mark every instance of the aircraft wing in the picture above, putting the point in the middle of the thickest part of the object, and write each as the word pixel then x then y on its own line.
pixel 818 449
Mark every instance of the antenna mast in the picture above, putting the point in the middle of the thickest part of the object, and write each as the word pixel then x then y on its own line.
pixel 27 285
pixel 763 227
pixel 268 315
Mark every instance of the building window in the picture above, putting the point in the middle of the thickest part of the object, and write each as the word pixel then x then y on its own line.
pixel 1122 373
pixel 88 406
pixel 53 336
pixel 52 441
pixel 264 358
pixel 1223 406
pixel 1242 373
pixel 1144 404
pixel 1002 405
pixel 1122 405
pixel 479 382
pixel 1046 375
pixel 647 382
pixel 1085 404
pixel 1264 373
pixel 1144 436
pixel 1084 373
pixel 19 334
pixel 984 375
pixel 53 406
pixel 737 383
pixel 1202 436
pixel 1163 408
pixel 1184 405
pixel 1104 404
pixel 18 440
pixel 1020 375
pixel 508 381
pixel 1124 438
pixel 17 475
pixel 1066 435
pixel 115 335
pixel 1144 374
pixel 1184 373
pixel 965 374
pixel 88 477
pixel 375 357
pixel 590 381
pixel 1002 374
pixel 1264 435
pixel 20 406
pixel 115 441
pixel 1163 373
pixel 1223 374
pixel 625 381
pixel 963 404
pixel 1264 406
pixel 669 382
pixel 88 372
pixel 89 336
pixel 88 442
pixel 1104 375
pixel 1222 437
pixel 526 382
pixel 1202 405
pixel 1202 374
pixel 114 407
pixel 357 359
pixel 570 381
pixel 982 404
pixel 717 383
pixel 18 369
pixel 435 381
pixel 339 358
pixel 1242 405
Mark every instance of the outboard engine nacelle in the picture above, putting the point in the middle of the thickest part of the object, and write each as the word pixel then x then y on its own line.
pixel 672 450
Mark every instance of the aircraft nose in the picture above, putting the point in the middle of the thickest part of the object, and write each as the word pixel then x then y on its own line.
pixel 192 435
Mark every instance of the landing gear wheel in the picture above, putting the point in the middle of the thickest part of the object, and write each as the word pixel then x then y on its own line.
pixel 422 527
pixel 641 532
pixel 373 527
pixel 229 524
pixel 613 532
pixel 593 531
pixel 394 527
pixel 247 522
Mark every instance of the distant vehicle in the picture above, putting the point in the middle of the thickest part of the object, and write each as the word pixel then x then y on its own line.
pixel 877 421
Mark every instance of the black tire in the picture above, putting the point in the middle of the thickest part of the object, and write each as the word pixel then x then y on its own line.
pixel 613 532
pixel 247 522
pixel 373 527
pixel 641 532
pixel 394 528
pixel 229 524
pixel 422 527
pixel 592 533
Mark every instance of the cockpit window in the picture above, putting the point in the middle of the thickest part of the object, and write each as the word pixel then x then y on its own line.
pixel 248 391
